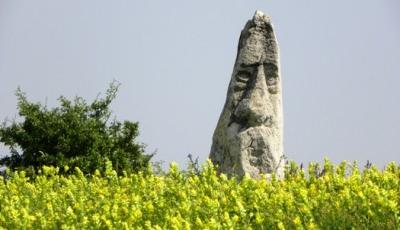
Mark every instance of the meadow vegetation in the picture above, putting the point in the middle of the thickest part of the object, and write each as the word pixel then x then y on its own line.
pixel 327 197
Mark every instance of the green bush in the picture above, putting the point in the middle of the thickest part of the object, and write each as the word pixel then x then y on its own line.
pixel 75 133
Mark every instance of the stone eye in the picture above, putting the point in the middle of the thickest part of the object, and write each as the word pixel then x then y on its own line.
pixel 271 81
pixel 242 76
pixel 271 73
pixel 242 79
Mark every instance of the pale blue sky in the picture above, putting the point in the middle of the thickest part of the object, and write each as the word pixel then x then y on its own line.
pixel 340 64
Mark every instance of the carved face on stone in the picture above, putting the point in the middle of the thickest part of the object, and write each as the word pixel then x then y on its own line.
pixel 255 81
pixel 248 137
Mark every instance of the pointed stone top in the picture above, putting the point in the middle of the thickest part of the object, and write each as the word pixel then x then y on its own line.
pixel 260 18
pixel 259 13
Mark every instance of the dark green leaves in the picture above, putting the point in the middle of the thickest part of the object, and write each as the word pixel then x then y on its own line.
pixel 75 133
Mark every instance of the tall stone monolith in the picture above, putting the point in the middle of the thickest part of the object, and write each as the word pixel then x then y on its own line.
pixel 248 136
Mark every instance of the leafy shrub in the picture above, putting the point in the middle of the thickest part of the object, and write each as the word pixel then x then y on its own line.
pixel 75 133
pixel 342 197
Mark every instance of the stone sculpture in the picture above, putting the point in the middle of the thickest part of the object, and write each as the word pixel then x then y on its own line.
pixel 248 136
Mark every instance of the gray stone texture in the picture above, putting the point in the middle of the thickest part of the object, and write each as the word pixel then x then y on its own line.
pixel 248 136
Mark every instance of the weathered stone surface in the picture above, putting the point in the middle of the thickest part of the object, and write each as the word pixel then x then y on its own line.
pixel 248 136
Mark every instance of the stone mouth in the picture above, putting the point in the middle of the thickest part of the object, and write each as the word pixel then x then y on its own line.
pixel 244 127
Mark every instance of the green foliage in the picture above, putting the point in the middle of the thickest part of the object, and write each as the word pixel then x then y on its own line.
pixel 342 197
pixel 75 133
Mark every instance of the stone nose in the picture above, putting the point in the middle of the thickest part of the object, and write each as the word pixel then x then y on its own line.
pixel 254 108
pixel 259 87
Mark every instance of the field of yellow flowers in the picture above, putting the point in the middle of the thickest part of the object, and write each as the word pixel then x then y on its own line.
pixel 326 197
